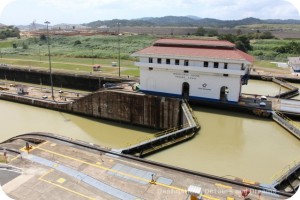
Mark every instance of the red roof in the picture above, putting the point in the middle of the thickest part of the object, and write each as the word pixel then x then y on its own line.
pixel 187 42
pixel 214 53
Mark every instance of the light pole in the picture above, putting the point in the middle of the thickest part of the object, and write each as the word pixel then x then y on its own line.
pixel 119 57
pixel 51 82
pixel 93 55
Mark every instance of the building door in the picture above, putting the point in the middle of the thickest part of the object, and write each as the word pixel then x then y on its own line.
pixel 185 90
pixel 223 93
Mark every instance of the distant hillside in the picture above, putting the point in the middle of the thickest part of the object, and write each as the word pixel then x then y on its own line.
pixel 187 21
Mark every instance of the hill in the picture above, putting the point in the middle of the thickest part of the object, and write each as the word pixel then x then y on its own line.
pixel 187 21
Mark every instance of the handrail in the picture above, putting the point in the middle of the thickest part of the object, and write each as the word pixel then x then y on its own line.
pixel 281 174
pixel 192 113
pixel 287 119
pixel 167 131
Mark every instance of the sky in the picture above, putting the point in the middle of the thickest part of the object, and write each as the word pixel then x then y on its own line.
pixel 23 12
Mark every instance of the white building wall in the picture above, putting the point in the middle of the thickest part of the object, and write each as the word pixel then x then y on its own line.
pixel 202 85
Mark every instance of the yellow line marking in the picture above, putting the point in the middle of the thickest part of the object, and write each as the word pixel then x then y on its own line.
pixel 122 173
pixel 224 186
pixel 33 147
pixel 14 158
pixel 208 197
pixel 112 170
pixel 61 180
pixel 64 188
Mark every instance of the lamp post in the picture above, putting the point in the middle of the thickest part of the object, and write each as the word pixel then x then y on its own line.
pixel 119 57
pixel 51 82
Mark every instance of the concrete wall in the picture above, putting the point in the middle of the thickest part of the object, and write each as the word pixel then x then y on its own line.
pixel 65 80
pixel 139 109
pixel 150 111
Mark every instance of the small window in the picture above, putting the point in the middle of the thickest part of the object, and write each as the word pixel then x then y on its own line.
pixel 186 71
pixel 168 61
pixel 243 67
pixel 150 60
pixel 176 62
pixel 159 60
pixel 205 64
pixel 216 65
pixel 150 68
pixel 186 63
pixel 225 65
pixel 225 75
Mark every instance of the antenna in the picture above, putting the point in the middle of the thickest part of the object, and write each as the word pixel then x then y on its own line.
pixel 33 25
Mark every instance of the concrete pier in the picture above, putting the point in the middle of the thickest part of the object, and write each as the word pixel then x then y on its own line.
pixel 55 168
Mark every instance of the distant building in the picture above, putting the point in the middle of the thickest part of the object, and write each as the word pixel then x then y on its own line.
pixel 294 63
pixel 196 69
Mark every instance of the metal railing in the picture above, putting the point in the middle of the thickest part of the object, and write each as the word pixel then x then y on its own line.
pixel 284 172
pixel 286 122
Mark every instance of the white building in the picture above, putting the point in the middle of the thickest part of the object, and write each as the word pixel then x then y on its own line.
pixel 294 63
pixel 195 69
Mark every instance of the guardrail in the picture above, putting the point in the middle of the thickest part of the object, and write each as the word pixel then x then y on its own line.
pixel 284 173
pixel 287 123
pixel 168 138
pixel 293 91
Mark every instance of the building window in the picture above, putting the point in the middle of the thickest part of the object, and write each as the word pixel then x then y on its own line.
pixel 150 68
pixel 168 61
pixel 205 64
pixel 150 60
pixel 159 60
pixel 186 71
pixel 225 75
pixel 243 67
pixel 176 62
pixel 186 63
pixel 216 64
pixel 225 65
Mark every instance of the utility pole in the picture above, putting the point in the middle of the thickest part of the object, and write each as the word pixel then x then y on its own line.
pixel 93 55
pixel 119 57
pixel 51 82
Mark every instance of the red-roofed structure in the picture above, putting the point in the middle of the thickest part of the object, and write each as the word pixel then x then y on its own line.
pixel 197 69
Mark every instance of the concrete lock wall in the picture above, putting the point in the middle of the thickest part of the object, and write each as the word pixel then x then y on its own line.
pixel 150 111
pixel 77 81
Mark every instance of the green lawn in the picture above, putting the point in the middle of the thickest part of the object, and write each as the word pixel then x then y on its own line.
pixel 69 54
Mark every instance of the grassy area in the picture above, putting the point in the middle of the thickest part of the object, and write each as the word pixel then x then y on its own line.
pixel 131 72
pixel 6 44
pixel 265 49
pixel 81 52
pixel 266 64
pixel 281 27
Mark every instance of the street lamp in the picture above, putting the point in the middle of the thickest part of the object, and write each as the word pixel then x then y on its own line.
pixel 119 49
pixel 51 82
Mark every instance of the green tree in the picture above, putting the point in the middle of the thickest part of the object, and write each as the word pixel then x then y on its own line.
pixel 43 37
pixel 200 31
pixel 243 43
pixel 212 33
pixel 77 42
pixel 266 35
pixel 24 45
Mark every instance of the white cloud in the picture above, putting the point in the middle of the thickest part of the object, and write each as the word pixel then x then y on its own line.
pixel 76 4
pixel 81 11
pixel 296 3
pixel 3 4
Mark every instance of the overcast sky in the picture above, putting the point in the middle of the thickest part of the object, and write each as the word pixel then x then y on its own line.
pixel 19 12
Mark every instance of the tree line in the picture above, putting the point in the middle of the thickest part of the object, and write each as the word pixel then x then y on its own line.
pixel 9 31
